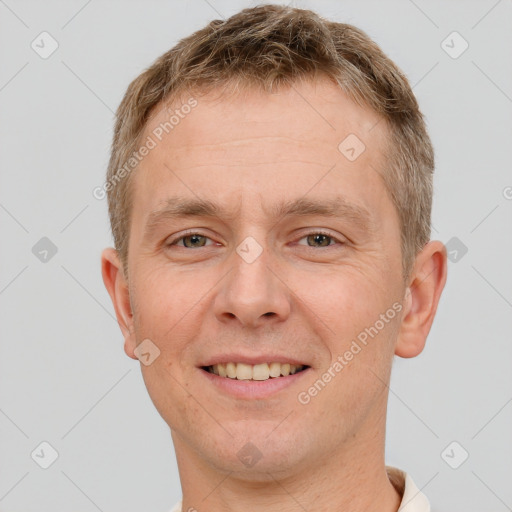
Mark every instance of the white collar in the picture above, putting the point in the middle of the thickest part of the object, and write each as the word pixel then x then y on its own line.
pixel 413 500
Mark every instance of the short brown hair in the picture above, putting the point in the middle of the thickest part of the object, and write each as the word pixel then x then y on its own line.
pixel 271 45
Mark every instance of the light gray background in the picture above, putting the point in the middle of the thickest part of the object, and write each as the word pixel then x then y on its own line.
pixel 64 376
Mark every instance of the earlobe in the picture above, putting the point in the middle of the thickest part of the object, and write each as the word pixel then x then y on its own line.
pixel 421 299
pixel 117 287
pixel 130 345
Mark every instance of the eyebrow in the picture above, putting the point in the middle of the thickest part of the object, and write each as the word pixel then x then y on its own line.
pixel 338 207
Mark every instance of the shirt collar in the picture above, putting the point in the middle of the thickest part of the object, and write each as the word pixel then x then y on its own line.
pixel 413 500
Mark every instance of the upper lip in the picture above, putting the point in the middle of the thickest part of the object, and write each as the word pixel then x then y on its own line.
pixel 252 360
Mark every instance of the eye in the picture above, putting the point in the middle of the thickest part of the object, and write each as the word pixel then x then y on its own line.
pixel 321 238
pixel 194 240
pixel 191 240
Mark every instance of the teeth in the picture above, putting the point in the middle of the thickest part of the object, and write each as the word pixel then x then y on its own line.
pixel 243 371
pixel 231 370
pixel 260 372
pixel 275 369
pixel 263 371
pixel 222 370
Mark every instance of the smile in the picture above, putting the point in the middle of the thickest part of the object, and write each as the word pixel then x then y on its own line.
pixel 263 371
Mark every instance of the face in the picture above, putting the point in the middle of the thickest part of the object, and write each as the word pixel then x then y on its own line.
pixel 294 256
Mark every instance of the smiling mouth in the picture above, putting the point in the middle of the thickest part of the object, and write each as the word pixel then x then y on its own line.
pixel 263 371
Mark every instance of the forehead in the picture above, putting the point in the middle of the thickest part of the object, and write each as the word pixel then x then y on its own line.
pixel 267 143
pixel 315 113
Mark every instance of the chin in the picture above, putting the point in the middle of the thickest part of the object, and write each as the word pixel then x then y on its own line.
pixel 252 454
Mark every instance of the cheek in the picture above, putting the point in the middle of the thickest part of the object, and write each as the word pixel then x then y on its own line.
pixel 346 299
pixel 166 314
pixel 359 325
pixel 165 299
pixel 170 395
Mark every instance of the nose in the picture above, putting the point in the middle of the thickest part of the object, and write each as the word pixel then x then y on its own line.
pixel 254 291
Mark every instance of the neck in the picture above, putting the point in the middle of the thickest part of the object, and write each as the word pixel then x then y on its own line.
pixel 351 478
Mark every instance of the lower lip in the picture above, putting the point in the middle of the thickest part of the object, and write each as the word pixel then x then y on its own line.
pixel 253 389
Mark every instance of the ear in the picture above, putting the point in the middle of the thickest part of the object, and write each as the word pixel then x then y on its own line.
pixel 421 299
pixel 117 287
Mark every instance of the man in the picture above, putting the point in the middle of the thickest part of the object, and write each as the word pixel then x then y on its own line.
pixel 270 191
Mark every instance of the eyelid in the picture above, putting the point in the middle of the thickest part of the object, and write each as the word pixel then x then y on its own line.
pixel 317 231
pixel 320 231
pixel 184 234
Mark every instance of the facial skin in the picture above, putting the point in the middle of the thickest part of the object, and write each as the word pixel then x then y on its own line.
pixel 305 297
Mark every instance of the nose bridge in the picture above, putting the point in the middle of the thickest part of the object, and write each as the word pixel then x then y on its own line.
pixel 251 289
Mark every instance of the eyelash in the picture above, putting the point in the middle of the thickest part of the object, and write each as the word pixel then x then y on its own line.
pixel 319 232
